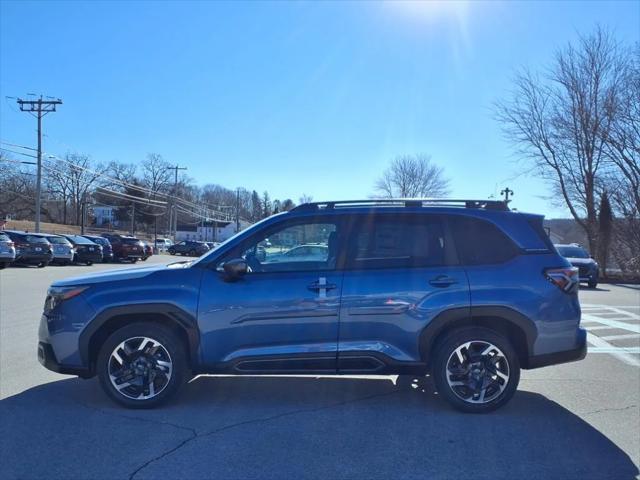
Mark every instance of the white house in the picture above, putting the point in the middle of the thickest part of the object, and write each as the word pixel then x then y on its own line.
pixel 104 215
pixel 209 232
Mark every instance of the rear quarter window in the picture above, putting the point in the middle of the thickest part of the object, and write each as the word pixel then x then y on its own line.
pixel 480 242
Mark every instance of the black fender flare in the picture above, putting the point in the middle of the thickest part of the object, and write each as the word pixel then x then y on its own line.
pixel 176 315
pixel 466 315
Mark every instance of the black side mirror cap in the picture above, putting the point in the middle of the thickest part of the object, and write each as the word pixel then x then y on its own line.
pixel 235 268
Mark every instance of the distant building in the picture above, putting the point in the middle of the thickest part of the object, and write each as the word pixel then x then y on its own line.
pixel 209 232
pixel 105 215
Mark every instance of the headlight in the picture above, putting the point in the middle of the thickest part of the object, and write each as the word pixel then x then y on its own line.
pixel 57 295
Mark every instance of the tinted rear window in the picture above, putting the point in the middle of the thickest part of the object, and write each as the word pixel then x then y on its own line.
pixel 130 241
pixel 392 242
pixel 572 252
pixel 58 240
pixel 480 242
pixel 81 240
pixel 35 239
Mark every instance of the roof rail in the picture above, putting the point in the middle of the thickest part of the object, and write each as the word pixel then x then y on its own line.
pixel 405 202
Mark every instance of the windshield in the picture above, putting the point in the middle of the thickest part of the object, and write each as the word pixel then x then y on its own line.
pixel 572 252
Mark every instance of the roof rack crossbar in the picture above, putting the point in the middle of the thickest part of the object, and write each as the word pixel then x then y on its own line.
pixel 406 202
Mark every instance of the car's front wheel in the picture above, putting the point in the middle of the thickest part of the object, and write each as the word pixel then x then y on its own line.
pixel 142 365
pixel 476 369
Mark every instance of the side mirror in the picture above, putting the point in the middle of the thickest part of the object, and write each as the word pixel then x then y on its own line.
pixel 235 268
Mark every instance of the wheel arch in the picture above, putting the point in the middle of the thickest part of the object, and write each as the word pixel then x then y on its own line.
pixel 110 320
pixel 520 330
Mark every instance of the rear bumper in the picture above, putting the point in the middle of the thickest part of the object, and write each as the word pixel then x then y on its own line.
pixel 48 359
pixel 33 259
pixel 565 356
pixel 88 257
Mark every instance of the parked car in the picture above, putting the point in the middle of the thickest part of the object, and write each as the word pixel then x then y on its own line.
pixel 580 258
pixel 63 251
pixel 107 249
pixel 125 247
pixel 466 290
pixel 189 247
pixel 162 244
pixel 7 250
pixel 85 250
pixel 301 253
pixel 31 249
pixel 147 250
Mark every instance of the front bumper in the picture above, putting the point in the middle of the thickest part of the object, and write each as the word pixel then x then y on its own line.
pixel 48 359
pixel 565 356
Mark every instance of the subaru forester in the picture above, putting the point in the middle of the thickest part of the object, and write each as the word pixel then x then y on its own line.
pixel 464 289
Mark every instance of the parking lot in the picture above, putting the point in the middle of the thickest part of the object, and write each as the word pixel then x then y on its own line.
pixel 579 420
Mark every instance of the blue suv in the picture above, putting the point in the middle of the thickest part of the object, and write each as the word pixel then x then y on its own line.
pixel 464 289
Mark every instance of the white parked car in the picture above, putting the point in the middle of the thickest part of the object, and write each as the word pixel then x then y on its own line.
pixel 163 243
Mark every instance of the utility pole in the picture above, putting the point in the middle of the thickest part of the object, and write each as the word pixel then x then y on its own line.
pixel 237 209
pixel 174 218
pixel 506 192
pixel 39 108
pixel 133 219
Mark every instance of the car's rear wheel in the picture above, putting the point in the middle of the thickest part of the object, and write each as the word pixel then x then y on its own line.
pixel 142 365
pixel 593 284
pixel 89 264
pixel 476 369
pixel 43 264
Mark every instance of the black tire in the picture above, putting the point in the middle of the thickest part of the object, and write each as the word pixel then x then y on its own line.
pixel 171 252
pixel 447 348
pixel 169 341
pixel 2 265
pixel 192 253
pixel 89 264
pixel 43 264
pixel 134 260
pixel 593 285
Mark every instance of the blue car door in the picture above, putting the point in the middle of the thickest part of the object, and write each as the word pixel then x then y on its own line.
pixel 400 272
pixel 282 316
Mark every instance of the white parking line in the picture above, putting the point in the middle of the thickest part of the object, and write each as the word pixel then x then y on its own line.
pixel 586 318
pixel 623 354
pixel 621 337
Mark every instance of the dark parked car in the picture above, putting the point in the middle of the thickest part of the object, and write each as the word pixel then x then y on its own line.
pixel 107 249
pixel 147 250
pixel 467 291
pixel 580 258
pixel 31 249
pixel 86 251
pixel 125 247
pixel 7 250
pixel 189 247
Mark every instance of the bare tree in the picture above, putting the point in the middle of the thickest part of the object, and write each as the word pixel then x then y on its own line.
pixel 84 176
pixel 412 176
pixel 560 120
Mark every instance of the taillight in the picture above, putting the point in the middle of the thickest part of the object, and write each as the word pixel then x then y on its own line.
pixel 566 279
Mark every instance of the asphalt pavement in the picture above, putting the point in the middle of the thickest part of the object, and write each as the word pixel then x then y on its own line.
pixel 579 420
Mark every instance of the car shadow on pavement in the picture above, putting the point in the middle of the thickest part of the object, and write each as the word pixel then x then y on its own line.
pixel 297 427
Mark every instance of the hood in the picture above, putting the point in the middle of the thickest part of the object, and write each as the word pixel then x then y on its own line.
pixel 114 275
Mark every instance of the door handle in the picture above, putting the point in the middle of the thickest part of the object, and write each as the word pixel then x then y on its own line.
pixel 317 286
pixel 442 281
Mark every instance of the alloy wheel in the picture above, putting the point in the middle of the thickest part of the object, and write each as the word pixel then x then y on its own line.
pixel 140 368
pixel 477 372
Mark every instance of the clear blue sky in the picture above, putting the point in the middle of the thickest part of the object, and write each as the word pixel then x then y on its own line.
pixel 294 98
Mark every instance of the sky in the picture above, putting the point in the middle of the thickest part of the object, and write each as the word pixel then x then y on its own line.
pixel 295 98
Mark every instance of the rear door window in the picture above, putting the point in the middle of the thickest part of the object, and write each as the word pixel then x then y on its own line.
pixel 479 242
pixel 409 241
